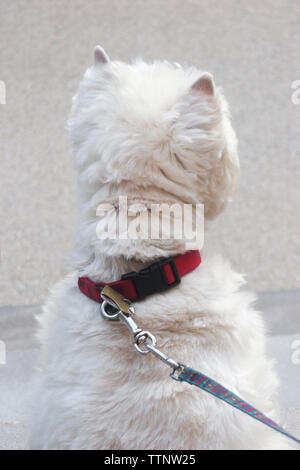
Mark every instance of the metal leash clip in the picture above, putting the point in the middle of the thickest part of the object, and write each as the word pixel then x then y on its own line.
pixel 115 308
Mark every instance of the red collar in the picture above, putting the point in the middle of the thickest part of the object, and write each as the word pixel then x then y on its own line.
pixel 157 277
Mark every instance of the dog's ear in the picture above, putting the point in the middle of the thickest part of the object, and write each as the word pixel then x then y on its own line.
pixel 100 56
pixel 204 85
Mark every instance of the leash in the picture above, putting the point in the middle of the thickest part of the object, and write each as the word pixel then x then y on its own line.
pixel 193 377
pixel 115 307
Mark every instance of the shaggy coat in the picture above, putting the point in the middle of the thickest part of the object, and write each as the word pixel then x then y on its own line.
pixel 155 133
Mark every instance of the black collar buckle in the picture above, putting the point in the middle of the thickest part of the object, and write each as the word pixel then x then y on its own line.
pixel 152 279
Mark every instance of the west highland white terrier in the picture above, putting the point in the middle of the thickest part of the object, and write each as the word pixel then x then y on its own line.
pixel 159 133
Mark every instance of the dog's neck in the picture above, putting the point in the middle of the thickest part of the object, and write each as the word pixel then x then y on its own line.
pixel 106 259
pixel 103 268
pixel 107 268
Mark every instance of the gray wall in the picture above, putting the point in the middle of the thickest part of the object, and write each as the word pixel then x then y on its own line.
pixel 252 48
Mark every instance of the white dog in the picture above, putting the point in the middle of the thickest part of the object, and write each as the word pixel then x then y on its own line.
pixel 153 132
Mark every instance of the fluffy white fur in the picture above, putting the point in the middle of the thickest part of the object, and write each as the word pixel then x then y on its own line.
pixel 154 132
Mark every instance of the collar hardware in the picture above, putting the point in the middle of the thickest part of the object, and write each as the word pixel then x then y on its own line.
pixel 153 279
pixel 136 285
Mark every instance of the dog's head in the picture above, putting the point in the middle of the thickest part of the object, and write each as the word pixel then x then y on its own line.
pixel 153 131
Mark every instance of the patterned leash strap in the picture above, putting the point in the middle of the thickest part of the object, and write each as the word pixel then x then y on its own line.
pixel 209 385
